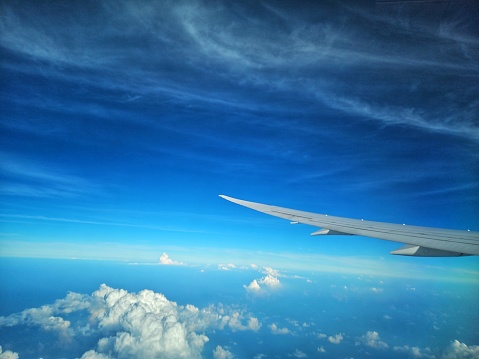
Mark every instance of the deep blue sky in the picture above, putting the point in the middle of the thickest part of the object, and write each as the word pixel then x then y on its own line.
pixel 122 121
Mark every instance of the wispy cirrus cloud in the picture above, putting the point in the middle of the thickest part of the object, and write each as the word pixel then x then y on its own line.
pixel 235 51
pixel 23 177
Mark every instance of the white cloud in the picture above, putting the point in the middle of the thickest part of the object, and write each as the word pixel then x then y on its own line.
pixel 271 272
pixel 376 290
pixel 146 317
pixel 91 354
pixel 254 324
pixel 275 330
pixel 299 354
pixel 7 354
pixel 226 266
pixel 253 286
pixel 220 353
pixel 414 352
pixel 371 339
pixel 458 350
pixel 133 325
pixel 164 259
pixel 270 281
pixel 321 350
pixel 322 335
pixel 43 316
pixel 234 321
pixel 336 339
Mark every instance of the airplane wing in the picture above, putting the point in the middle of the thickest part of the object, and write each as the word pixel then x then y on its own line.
pixel 421 241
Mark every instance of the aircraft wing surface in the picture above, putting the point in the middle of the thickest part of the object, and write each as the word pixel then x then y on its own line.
pixel 421 241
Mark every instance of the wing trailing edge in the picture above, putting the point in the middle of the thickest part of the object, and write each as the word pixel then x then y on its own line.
pixel 421 241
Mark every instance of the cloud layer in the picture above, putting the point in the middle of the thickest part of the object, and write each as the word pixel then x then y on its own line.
pixel 133 325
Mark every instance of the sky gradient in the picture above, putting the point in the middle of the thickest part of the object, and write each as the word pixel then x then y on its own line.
pixel 121 122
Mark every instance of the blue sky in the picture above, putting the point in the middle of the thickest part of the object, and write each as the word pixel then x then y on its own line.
pixel 122 122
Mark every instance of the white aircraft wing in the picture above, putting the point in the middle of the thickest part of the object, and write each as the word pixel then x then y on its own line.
pixel 421 241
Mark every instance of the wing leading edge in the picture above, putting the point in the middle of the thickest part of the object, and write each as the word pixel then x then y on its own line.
pixel 420 241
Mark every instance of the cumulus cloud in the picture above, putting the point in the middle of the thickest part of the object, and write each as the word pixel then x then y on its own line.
pixel 271 272
pixel 235 322
pixel 335 339
pixel 269 280
pixel 458 350
pixel 226 266
pixel 133 325
pixel 371 339
pixel 166 260
pixel 254 324
pixel 91 354
pixel 276 330
pixel 414 352
pixel 7 354
pixel 321 349
pixel 220 353
pixel 253 286
pixel 299 354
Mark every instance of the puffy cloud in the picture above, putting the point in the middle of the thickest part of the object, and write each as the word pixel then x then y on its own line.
pixel 164 259
pixel 414 352
pixel 220 353
pixel 270 281
pixel 47 316
pixel 321 350
pixel 371 339
pixel 336 339
pixel 254 324
pixel 253 286
pixel 271 272
pixel 144 325
pixel 91 354
pixel 234 322
pixel 7 354
pixel 133 325
pixel 42 316
pixel 322 335
pixel 458 350
pixel 226 266
pixel 299 354
pixel 275 330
